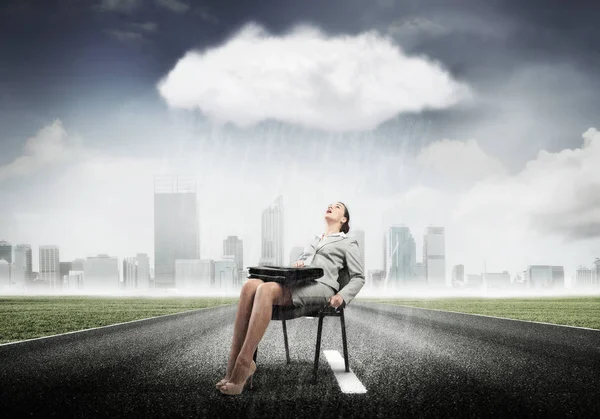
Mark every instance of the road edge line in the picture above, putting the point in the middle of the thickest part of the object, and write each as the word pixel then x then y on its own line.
pixel 111 325
pixel 493 317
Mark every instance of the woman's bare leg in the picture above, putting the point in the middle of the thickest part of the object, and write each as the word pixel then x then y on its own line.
pixel 242 318
pixel 266 295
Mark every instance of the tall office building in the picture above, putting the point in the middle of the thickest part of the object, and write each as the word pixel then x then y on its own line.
pixel 473 281
pixel 78 265
pixel 6 251
pixel 226 274
pixel 434 256
pixel 233 246
pixel 295 253
pixel 5 274
pixel 597 272
pixel 176 234
pixel 519 280
pixel 420 273
pixel 400 256
pixel 64 269
pixel 544 276
pixel 497 280
pixel 22 266
pixel 458 276
pixel 74 280
pixel 272 235
pixel 143 271
pixel 101 273
pixel 49 266
pixel 194 274
pixel 130 272
pixel 206 274
pixel 558 277
pixel 375 278
pixel 583 277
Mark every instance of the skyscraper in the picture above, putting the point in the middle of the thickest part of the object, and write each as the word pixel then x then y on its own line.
pixel 400 257
pixel 6 251
pixel 143 271
pixel 375 278
pixel 130 272
pixel 597 272
pixel 49 266
pixel 101 273
pixel 78 265
pixel 233 246
pixel 64 268
pixel 544 276
pixel 176 234
pixel 558 277
pixel 272 234
pixel 458 276
pixel 583 277
pixel 4 274
pixel 195 274
pixel 74 280
pixel 226 274
pixel 22 266
pixel 497 280
pixel 434 256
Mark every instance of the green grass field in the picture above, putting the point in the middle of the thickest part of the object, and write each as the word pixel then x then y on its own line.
pixel 32 317
pixel 572 311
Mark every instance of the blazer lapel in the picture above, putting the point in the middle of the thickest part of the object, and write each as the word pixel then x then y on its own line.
pixel 329 241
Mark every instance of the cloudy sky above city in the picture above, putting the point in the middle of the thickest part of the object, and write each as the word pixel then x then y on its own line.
pixel 481 117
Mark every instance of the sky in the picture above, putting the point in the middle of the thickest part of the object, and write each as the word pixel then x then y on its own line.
pixel 481 117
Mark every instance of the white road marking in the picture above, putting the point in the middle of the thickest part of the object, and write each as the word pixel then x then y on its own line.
pixel 348 382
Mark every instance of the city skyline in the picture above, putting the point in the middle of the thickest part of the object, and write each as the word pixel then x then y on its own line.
pixel 397 275
pixel 494 138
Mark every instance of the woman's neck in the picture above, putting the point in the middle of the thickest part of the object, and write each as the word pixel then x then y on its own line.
pixel 331 229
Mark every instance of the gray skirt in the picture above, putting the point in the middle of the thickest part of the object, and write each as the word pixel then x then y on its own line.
pixel 314 293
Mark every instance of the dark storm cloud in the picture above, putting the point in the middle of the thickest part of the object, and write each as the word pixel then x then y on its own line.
pixel 69 54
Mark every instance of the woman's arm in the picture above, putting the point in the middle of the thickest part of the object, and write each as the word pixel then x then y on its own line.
pixel 355 272
pixel 307 255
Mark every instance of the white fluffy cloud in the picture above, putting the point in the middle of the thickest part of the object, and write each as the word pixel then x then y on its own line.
pixel 557 193
pixel 462 162
pixel 52 145
pixel 305 77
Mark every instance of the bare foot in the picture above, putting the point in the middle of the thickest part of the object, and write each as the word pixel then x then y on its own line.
pixel 241 372
pixel 222 382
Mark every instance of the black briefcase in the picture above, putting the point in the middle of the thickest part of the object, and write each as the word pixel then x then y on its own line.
pixel 285 274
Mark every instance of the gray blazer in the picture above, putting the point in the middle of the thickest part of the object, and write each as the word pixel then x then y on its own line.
pixel 340 259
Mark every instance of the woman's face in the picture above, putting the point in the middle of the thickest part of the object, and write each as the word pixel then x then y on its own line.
pixel 335 212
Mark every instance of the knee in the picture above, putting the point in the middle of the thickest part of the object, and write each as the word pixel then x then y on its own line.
pixel 267 290
pixel 249 287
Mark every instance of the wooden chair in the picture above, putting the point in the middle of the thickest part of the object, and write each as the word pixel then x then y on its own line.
pixel 284 313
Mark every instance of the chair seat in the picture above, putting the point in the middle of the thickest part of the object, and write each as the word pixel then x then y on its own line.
pixel 292 312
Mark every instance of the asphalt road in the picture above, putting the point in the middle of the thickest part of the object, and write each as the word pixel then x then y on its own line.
pixel 413 363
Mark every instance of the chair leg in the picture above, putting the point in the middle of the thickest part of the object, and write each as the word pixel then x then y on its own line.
pixel 344 342
pixel 318 348
pixel 285 341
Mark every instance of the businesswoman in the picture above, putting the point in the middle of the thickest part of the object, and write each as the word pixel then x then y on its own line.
pixel 333 251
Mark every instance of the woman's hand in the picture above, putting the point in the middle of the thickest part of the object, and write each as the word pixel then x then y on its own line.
pixel 298 264
pixel 336 301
